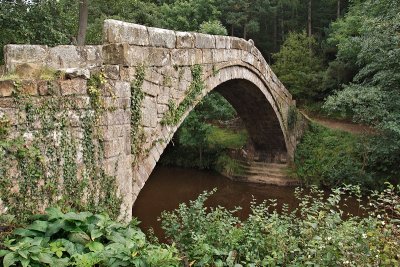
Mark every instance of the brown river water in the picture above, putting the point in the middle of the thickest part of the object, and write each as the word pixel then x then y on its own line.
pixel 169 186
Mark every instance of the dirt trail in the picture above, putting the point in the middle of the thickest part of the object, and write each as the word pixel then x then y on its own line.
pixel 341 125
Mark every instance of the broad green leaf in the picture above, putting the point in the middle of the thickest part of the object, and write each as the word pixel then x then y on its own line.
pixel 79 237
pixel 95 233
pixel 25 232
pixel 9 259
pixel 25 262
pixel 3 253
pixel 45 258
pixel 40 226
pixel 95 246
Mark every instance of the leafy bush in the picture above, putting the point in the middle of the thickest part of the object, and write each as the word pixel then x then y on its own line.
pixel 329 158
pixel 83 239
pixel 313 234
pixel 213 27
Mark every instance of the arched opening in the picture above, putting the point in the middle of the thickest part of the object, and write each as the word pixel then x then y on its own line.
pixel 172 185
pixel 259 118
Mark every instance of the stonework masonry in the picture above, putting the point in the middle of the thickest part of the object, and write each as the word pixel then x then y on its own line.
pixel 232 66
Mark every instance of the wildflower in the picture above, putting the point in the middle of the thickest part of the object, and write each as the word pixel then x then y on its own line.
pixel 364 236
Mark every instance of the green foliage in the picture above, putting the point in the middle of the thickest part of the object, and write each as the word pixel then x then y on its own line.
pixel 368 37
pixel 83 239
pixel 313 234
pixel 188 15
pixel 298 67
pixel 226 139
pixel 37 22
pixel 213 27
pixel 137 97
pixel 329 158
pixel 39 158
pixel 227 165
pixel 175 114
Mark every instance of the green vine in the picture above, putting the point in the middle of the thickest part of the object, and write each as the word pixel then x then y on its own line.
pixel 137 96
pixel 94 84
pixel 175 113
pixel 39 164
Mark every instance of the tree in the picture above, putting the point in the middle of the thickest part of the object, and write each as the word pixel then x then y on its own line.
pixel 373 97
pixel 83 21
pixel 298 67
pixel 213 27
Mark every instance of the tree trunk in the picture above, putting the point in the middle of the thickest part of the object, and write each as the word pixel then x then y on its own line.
pixel 232 30
pixel 309 25
pixel 245 31
pixel 282 26
pixel 338 8
pixel 275 31
pixel 83 21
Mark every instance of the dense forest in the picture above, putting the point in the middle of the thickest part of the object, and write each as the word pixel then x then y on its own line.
pixel 338 58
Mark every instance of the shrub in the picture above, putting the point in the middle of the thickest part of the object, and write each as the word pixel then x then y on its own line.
pixel 329 158
pixel 83 239
pixel 313 234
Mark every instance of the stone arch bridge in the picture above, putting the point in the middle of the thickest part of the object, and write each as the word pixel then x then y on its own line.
pixel 161 64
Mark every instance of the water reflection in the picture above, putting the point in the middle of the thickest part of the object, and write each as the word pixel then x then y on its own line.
pixel 167 187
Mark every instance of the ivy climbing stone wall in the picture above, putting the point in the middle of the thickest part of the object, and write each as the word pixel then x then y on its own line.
pixel 117 106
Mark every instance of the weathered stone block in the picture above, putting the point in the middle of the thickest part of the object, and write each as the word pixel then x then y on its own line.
pixel 73 87
pixel 136 56
pixel 115 54
pixel 112 71
pixel 115 31
pixel 204 40
pixel 65 56
pixel 207 56
pixel 122 89
pixel 163 96
pixel 29 87
pixel 222 42
pixel 158 57
pixel 111 132
pixel 162 38
pixel 6 88
pixel 182 57
pixel 72 73
pixel 91 54
pixel 7 103
pixel 20 54
pixel 239 43
pixel 127 73
pixel 149 114
pixel 162 108
pixel 185 40
pixel 150 88
pixel 114 147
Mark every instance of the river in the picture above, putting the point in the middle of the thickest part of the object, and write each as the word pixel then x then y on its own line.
pixel 168 186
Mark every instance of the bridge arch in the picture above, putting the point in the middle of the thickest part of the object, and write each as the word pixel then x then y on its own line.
pixel 253 99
